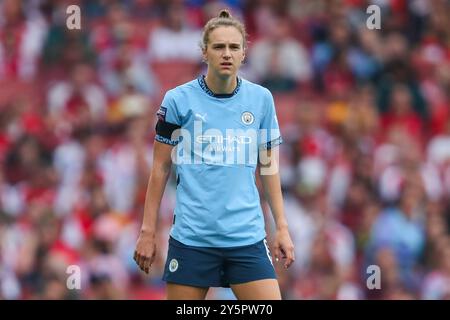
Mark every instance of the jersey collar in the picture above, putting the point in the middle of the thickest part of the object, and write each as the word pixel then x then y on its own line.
pixel 204 86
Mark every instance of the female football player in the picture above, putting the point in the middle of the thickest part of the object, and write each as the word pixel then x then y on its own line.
pixel 224 130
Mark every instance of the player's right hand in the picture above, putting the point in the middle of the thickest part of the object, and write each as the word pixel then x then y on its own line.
pixel 145 251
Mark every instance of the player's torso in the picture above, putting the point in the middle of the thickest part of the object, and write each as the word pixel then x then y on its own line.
pixel 217 198
pixel 221 130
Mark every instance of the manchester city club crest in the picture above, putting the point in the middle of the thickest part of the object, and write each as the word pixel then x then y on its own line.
pixel 247 118
pixel 173 265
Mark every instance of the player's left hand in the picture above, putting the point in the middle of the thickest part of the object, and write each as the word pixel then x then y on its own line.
pixel 283 247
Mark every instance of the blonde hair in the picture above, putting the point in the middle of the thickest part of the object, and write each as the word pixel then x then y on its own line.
pixel 223 19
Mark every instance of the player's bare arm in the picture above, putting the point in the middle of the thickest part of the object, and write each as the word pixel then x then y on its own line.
pixel 283 246
pixel 145 251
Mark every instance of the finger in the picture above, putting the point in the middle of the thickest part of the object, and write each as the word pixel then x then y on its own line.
pixel 146 264
pixel 140 261
pixel 289 257
pixel 283 253
pixel 136 258
pixel 152 258
pixel 276 253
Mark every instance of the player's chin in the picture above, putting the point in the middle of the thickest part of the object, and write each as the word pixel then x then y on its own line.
pixel 227 72
pixel 226 69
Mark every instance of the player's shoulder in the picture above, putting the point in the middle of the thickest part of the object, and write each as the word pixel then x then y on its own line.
pixel 255 88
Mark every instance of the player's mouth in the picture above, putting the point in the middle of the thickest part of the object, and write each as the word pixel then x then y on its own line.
pixel 226 65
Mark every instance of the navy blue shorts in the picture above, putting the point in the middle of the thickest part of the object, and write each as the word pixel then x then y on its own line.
pixel 217 267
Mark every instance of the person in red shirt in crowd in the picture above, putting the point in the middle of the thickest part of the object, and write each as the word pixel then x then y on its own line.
pixel 401 115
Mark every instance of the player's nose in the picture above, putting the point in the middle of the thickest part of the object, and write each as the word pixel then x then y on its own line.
pixel 227 53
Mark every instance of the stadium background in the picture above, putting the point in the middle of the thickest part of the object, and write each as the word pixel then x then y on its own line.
pixel 364 114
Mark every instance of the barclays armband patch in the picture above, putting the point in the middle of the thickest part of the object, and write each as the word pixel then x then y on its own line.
pixel 161 113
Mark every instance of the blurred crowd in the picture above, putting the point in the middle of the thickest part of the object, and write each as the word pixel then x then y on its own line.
pixel 365 116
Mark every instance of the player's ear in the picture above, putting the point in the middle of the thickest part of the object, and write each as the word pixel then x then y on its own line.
pixel 204 55
pixel 244 52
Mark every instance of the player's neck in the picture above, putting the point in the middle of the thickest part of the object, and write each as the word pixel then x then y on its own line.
pixel 221 85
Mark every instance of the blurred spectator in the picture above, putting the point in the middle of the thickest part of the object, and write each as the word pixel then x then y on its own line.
pixel 397 69
pixel 63 48
pixel 401 115
pixel 123 68
pixel 125 165
pixel 174 40
pixel 117 29
pixel 401 229
pixel 436 284
pixel 325 279
pixel 78 99
pixel 365 58
pixel 21 41
pixel 277 61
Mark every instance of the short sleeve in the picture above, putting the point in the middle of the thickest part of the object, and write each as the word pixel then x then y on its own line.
pixel 168 120
pixel 270 135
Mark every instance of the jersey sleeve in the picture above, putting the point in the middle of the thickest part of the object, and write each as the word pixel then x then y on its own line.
pixel 168 120
pixel 270 135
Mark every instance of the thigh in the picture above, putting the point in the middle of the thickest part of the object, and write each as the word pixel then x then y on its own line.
pixel 181 292
pixel 266 289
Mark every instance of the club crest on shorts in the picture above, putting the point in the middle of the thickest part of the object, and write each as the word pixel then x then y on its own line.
pixel 247 118
pixel 173 265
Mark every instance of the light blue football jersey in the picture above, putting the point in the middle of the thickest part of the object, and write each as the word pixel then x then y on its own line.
pixel 216 153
